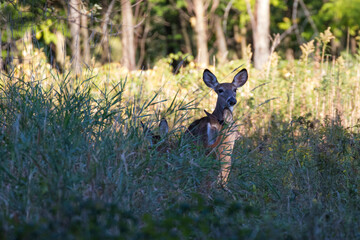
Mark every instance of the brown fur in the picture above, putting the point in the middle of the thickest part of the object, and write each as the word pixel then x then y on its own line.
pixel 216 131
pixel 206 128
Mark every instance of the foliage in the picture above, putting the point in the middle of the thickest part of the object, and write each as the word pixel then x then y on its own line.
pixel 161 24
pixel 341 15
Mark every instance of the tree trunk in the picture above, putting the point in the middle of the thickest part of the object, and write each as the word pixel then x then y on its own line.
pixel 128 46
pixel 262 33
pixel 185 35
pixel 220 40
pixel 74 22
pixel 237 41
pixel 353 47
pixel 1 58
pixel 105 57
pixel 60 49
pixel 200 29
pixel 28 47
pixel 243 42
pixel 142 43
pixel 10 50
pixel 85 36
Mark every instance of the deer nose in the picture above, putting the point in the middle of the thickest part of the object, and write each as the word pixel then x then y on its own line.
pixel 231 101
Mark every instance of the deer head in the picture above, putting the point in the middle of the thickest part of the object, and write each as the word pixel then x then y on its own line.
pixel 153 138
pixel 226 91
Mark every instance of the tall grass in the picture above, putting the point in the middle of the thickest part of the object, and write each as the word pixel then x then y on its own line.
pixel 74 161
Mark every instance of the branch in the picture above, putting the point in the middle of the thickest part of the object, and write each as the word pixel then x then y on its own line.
pixel 214 6
pixel 226 13
pixel 106 21
pixel 308 16
pixel 252 19
pixel 294 22
pixel 287 32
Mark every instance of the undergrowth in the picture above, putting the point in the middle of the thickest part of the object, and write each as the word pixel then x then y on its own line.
pixel 75 162
pixel 76 165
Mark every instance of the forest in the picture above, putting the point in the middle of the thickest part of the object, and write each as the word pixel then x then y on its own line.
pixel 98 101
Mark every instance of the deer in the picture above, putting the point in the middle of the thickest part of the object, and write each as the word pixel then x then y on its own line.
pixel 212 134
pixel 208 130
pixel 156 138
pixel 216 131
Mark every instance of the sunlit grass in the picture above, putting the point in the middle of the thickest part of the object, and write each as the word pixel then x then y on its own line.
pixel 75 162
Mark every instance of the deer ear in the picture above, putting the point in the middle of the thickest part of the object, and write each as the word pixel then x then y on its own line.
pixel 211 116
pixel 163 127
pixel 210 79
pixel 207 114
pixel 240 78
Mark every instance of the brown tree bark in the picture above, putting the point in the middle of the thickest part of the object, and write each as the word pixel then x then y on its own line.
pixel 85 35
pixel 243 42
pixel 105 57
pixel 9 50
pixel 128 46
pixel 74 22
pixel 142 43
pixel 220 40
pixel 60 48
pixel 201 36
pixel 353 47
pixel 28 47
pixel 1 59
pixel 185 34
pixel 260 25
pixel 262 41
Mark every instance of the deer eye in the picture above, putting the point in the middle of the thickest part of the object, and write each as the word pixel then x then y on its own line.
pixel 220 90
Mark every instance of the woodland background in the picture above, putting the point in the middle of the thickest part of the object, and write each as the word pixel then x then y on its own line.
pixel 93 33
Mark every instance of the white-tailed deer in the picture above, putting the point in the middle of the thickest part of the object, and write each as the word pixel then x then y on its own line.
pixel 216 131
pixel 153 138
pixel 209 130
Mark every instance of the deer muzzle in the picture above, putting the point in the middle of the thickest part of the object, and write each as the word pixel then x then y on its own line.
pixel 231 101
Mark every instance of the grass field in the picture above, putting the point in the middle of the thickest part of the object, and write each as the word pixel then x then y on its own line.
pixel 75 163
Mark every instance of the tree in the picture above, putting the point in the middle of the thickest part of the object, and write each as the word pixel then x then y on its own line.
pixel 60 49
pixel 85 35
pixel 220 39
pixel 128 57
pixel 1 61
pixel 74 23
pixel 200 27
pixel 185 33
pixel 105 34
pixel 219 14
pixel 262 41
pixel 201 36
pixel 260 24
pixel 343 18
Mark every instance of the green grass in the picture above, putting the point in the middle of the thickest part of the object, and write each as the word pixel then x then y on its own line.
pixel 75 163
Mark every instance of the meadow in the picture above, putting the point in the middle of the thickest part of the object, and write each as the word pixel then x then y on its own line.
pixel 75 163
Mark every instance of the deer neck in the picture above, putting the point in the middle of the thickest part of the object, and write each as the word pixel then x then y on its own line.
pixel 219 112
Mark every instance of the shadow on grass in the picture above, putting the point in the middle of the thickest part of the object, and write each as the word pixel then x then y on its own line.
pixel 75 166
